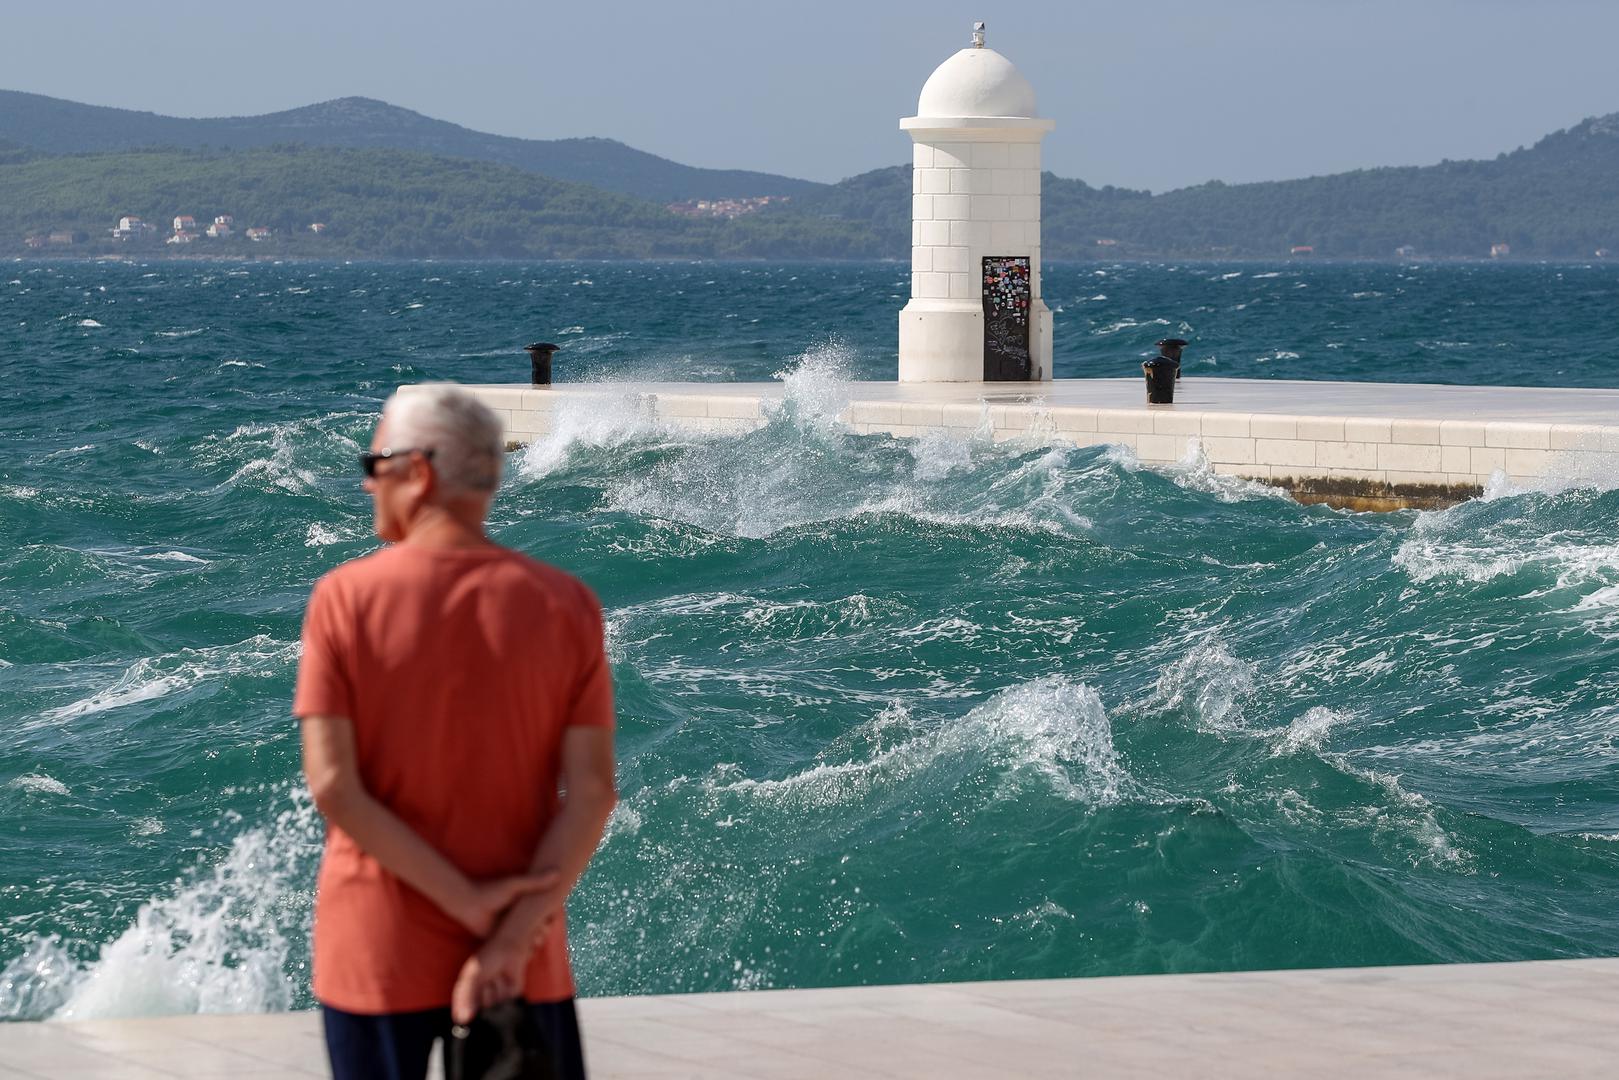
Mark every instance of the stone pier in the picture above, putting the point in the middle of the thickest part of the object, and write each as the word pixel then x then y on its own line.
pixel 1370 446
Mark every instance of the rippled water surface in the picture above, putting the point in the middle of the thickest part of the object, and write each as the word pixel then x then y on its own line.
pixel 891 710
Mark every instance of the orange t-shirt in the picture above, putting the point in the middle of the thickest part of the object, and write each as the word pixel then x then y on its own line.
pixel 459 669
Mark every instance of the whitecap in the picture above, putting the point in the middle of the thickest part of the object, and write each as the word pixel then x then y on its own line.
pixel 142 564
pixel 1042 913
pixel 90 323
pixel 1195 472
pixel 602 419
pixel 131 689
pixel 1212 686
pixel 322 535
pixel 1126 324
pixel 816 391
pixel 1308 732
pixel 1601 600
pixel 177 556
pixel 154 677
pixel 285 442
pixel 624 820
pixel 570 330
pixel 1407 813
pixel 937 454
pixel 1427 556
pixel 1583 469
pixel 804 466
pixel 1122 456
pixel 38 784
pixel 817 385
pixel 1053 731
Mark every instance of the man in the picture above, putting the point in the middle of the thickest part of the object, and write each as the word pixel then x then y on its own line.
pixel 448 689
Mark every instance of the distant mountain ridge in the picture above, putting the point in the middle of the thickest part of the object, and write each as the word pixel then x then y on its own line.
pixel 56 126
pixel 1558 199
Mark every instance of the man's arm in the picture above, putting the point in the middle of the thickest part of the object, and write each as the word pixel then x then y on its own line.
pixel 589 794
pixel 332 770
pixel 495 972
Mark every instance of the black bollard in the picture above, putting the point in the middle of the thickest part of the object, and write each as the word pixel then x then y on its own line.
pixel 1160 372
pixel 539 355
pixel 1172 348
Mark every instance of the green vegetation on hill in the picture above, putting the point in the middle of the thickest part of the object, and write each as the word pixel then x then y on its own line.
pixel 375 203
pixel 55 126
pixel 1559 199
pixel 12 154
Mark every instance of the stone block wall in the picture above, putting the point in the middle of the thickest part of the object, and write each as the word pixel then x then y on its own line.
pixel 969 200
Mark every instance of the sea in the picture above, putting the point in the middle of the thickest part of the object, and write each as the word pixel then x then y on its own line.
pixel 890 710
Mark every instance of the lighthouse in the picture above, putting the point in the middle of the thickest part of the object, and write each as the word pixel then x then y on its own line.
pixel 975 312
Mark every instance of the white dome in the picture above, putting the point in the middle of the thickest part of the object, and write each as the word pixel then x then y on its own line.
pixel 976 82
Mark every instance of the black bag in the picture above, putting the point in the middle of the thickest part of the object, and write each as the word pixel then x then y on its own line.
pixel 502 1043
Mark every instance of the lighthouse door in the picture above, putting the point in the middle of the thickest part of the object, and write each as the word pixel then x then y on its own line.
pixel 1006 318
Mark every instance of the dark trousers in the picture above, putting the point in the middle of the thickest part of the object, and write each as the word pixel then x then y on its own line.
pixel 396 1046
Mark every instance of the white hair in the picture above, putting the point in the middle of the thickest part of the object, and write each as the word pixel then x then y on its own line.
pixel 463 433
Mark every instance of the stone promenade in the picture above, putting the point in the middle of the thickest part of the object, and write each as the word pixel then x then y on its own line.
pixel 1553 1019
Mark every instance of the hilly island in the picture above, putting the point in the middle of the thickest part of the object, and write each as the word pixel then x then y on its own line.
pixel 357 178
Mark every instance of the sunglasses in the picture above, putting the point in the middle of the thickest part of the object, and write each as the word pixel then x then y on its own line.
pixel 369 458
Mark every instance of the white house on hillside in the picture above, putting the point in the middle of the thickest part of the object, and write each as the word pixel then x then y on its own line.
pixel 131 228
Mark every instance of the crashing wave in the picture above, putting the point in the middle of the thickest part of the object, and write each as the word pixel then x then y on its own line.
pixel 220 943
pixel 1053 730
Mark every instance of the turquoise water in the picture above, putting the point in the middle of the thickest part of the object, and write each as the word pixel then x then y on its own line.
pixel 890 710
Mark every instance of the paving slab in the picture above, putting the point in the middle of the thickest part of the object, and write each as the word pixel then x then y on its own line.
pixel 1530 1019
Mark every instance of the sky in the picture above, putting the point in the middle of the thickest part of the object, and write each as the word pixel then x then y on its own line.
pixel 1154 94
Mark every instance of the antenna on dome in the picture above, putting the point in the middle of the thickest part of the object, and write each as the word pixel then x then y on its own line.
pixel 978 35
